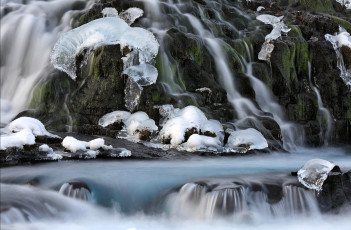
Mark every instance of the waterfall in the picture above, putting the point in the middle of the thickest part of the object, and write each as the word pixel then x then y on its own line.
pixel 27 45
pixel 325 120
pixel 164 15
pixel 202 201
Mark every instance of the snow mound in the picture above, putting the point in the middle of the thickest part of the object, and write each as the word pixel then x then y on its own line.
pixel 51 154
pixel 74 145
pixel 212 127
pixel 113 117
pixel 314 172
pixel 19 139
pixel 174 130
pixel 248 137
pixel 278 27
pixel 339 40
pixel 31 124
pixel 100 32
pixel 198 142
pixel 139 122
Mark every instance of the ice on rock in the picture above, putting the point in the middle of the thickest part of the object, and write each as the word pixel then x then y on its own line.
pixel 51 154
pixel 100 32
pixel 198 142
pixel 97 144
pixel 19 139
pixel 116 116
pixel 131 14
pixel 314 172
pixel 346 3
pixel 251 137
pixel 339 40
pixel 260 8
pixel 31 124
pixel 109 12
pixel 193 115
pixel 124 152
pixel 167 112
pixel 132 94
pixel 278 27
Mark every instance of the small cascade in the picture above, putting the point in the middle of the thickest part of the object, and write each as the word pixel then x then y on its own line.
pixel 242 202
pixel 26 47
pixel 325 120
pixel 77 190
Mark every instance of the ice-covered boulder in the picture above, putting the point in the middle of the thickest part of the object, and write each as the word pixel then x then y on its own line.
pixel 314 172
pixel 101 32
pixel 278 27
pixel 250 138
pixel 19 139
pixel 198 142
pixel 114 117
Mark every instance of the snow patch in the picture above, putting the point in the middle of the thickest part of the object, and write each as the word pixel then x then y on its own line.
pixel 74 145
pixel 19 139
pixel 248 137
pixel 139 122
pixel 260 8
pixel 314 172
pixel 198 142
pixel 278 27
pixel 51 154
pixel 31 124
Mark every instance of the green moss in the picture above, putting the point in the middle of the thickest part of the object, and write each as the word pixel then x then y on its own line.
pixel 156 96
pixel 197 53
pixel 343 23
pixel 315 5
pixel 348 115
pixel 295 31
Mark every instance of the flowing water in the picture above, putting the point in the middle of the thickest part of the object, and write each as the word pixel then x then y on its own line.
pixel 193 194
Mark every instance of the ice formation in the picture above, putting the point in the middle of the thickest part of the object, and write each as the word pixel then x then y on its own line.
pixel 278 27
pixel 100 32
pixel 143 74
pixel 199 142
pixel 74 145
pixel 212 127
pixel 116 116
pixel 346 3
pixel 131 14
pixel 51 154
pixel 314 172
pixel 339 40
pixel 248 137
pixel 260 8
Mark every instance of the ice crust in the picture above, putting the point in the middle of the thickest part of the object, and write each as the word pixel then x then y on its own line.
pixel 314 172
pixel 278 27
pixel 116 116
pixel 100 32
pixel 339 40
pixel 251 137
pixel 23 131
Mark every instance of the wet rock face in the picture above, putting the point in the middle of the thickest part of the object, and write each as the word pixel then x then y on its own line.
pixel 336 192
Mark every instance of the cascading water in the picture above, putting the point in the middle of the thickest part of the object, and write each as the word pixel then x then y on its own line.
pixel 163 15
pixel 325 120
pixel 25 48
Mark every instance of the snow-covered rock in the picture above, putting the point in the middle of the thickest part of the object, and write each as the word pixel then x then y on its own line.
pixel 131 14
pixel 113 117
pixel 74 145
pixel 140 122
pixel 278 27
pixel 174 130
pixel 248 137
pixel 314 172
pixel 200 142
pixel 211 127
pixel 109 12
pixel 19 139
pixel 31 124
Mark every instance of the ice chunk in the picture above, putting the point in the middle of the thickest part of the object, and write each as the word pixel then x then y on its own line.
pixel 251 137
pixel 143 74
pixel 339 40
pixel 200 142
pixel 131 14
pixel 100 32
pixel 116 116
pixel 109 12
pixel 51 154
pixel 278 27
pixel 314 172
pixel 23 137
pixel 31 124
